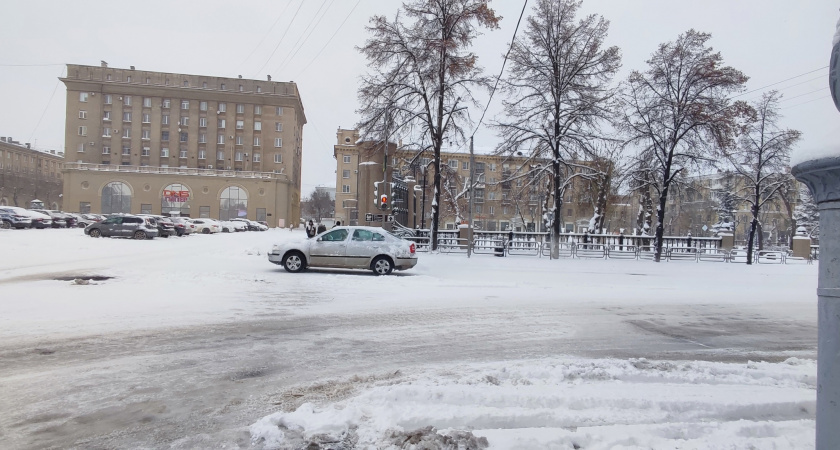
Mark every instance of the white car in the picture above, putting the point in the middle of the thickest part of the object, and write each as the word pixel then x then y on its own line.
pixel 206 226
pixel 231 226
pixel 353 247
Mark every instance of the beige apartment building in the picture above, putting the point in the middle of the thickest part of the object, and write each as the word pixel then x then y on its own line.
pixel 508 198
pixel 194 145
pixel 27 174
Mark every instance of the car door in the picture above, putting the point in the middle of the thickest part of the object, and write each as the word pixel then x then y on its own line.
pixel 111 227
pixel 361 248
pixel 329 249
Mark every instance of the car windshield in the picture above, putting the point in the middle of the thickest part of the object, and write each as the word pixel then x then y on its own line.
pixel 335 236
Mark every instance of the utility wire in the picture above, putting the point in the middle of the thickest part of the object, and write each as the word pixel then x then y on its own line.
pixel 295 48
pixel 30 65
pixel 779 82
pixel 280 16
pixel 510 47
pixel 329 40
pixel 822 89
pixel 805 103
pixel 280 41
pixel 48 105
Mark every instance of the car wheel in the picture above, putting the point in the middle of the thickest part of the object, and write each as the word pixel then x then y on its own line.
pixel 294 262
pixel 225 230
pixel 205 231
pixel 5 225
pixel 94 233
pixel 165 234
pixel 139 235
pixel 382 265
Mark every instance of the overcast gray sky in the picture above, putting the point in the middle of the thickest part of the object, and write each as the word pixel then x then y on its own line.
pixel 769 40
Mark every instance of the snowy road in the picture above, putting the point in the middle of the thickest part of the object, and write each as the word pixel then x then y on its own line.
pixel 194 339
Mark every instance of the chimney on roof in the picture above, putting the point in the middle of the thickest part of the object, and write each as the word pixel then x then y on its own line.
pixel 27 145
pixel 240 77
pixel 269 77
pixel 103 63
pixel 132 67
pixel 3 139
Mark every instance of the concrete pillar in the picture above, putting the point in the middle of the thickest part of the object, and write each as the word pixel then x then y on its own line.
pixel 465 232
pixel 727 241
pixel 823 178
pixel 801 247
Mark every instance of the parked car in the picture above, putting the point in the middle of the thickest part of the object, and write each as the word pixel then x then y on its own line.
pixel 126 225
pixel 11 219
pixel 231 226
pixel 59 220
pixel 183 225
pixel 347 247
pixel 252 225
pixel 86 219
pixel 37 220
pixel 206 226
pixel 165 226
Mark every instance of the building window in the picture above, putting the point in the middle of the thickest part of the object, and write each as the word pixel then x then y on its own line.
pixel 126 117
pixel 84 207
pixel 148 80
pixel 164 152
pixel 83 114
pixel 241 88
pixel 278 142
pixel 127 100
pixel 147 102
pixel 106 115
pixel 106 150
pixel 240 124
pixel 492 210
pixel 256 157
pixel 256 141
pixel 278 158
pixel 240 108
pixel 126 150
pixel 220 155
pixel 204 211
pixel 182 153
pixel 465 165
pixel 220 123
pixel 258 108
pixel 202 122
pixel 147 118
pixel 108 99
pixel 106 132
pixel 164 136
pixel 204 85
pixel 167 103
pixel 202 154
pixel 238 140
pixel 184 137
pixel 145 208
pixel 345 188
pixel 164 119
pixel 83 131
pixel 145 134
pixel 220 139
pixel 186 83
pixel 223 106
pixel 184 121
pixel 233 203
pixel 145 151
pixel 237 156
pixel 128 79
pixel 202 138
pixel 126 133
pixel 79 149
pixel 185 104
pixel 257 126
pixel 278 126
pixel 347 159
pixel 279 110
pixel 202 106
pixel 345 173
pixel 83 97
pixel 116 198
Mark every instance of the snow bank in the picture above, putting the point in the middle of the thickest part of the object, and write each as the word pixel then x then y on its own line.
pixel 800 155
pixel 567 403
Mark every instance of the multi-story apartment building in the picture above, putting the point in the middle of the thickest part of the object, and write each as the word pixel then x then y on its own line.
pixel 27 174
pixel 168 143
pixel 507 196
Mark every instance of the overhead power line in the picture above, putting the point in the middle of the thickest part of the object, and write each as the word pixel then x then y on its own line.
pixel 805 103
pixel 501 72
pixel 280 16
pixel 329 40
pixel 48 105
pixel 779 82
pixel 280 41
pixel 304 36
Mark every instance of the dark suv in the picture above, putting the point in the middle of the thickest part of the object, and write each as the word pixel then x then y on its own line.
pixel 124 226
pixel 12 219
pixel 164 226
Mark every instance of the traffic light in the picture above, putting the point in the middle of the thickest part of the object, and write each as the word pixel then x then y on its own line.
pixel 383 201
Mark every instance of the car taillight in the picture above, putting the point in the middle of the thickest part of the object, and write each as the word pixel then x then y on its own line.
pixel 412 248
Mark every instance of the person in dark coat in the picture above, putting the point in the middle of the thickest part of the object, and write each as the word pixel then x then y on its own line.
pixel 310 229
pixel 337 223
pixel 321 228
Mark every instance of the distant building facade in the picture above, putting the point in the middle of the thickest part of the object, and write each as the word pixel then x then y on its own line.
pixel 192 145
pixel 27 174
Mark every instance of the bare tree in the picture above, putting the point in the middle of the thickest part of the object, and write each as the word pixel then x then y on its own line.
pixel 319 204
pixel 677 108
pixel 423 75
pixel 762 159
pixel 605 157
pixel 558 91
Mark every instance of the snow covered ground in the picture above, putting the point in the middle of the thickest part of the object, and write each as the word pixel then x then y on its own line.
pixel 199 341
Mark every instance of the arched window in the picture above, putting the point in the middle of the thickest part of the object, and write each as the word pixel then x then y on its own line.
pixel 4 201
pixel 176 199
pixel 233 203
pixel 54 206
pixel 116 198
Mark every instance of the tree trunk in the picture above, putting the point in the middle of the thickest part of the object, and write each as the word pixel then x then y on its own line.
pixel 558 203
pixel 660 225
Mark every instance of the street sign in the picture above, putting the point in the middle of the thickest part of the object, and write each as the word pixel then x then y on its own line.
pixel 378 217
pixel 389 218
pixel 705 228
pixel 368 217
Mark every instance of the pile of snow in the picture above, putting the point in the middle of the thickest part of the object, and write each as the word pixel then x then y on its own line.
pixel 567 403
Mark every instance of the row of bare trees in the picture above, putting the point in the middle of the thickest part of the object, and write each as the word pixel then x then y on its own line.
pixel 565 112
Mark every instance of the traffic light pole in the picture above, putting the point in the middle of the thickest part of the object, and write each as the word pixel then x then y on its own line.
pixel 470 231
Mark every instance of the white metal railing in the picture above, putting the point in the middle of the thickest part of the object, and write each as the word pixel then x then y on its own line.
pixel 190 171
